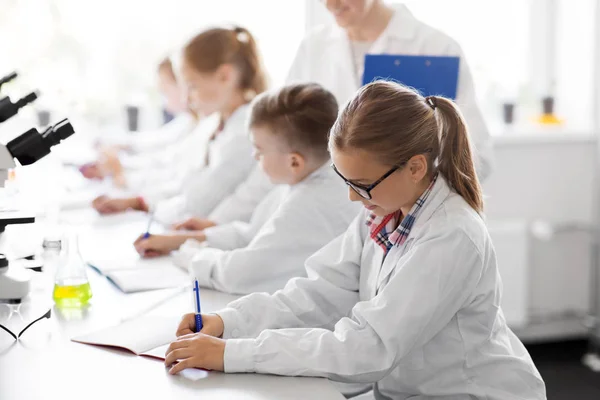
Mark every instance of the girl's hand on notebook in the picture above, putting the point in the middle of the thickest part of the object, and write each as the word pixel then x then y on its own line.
pixel 194 224
pixel 107 205
pixel 196 350
pixel 156 245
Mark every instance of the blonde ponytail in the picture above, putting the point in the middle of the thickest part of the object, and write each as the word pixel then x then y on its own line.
pixel 455 160
pixel 214 47
pixel 395 123
pixel 254 77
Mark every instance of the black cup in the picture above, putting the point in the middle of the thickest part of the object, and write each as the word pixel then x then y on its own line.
pixel 43 117
pixel 548 105
pixel 509 113
pixel 133 117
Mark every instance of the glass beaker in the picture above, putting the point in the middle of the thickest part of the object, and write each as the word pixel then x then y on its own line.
pixel 71 285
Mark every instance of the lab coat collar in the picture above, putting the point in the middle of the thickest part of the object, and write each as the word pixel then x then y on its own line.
pixel 239 114
pixel 321 172
pixel 403 25
pixel 438 195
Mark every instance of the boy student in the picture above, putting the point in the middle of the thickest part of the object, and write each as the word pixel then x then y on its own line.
pixel 307 208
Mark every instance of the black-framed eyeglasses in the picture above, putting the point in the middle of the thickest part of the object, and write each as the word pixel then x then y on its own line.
pixel 48 314
pixel 364 191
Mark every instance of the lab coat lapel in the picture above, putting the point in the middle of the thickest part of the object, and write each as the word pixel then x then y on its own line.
pixel 380 46
pixel 342 65
pixel 402 27
pixel 438 195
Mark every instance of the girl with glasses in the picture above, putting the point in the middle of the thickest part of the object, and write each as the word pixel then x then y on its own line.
pixel 408 298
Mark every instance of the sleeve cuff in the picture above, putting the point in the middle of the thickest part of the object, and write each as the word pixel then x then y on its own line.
pixel 231 323
pixel 202 265
pixel 211 233
pixel 216 217
pixel 170 210
pixel 239 355
pixel 225 237
pixel 184 257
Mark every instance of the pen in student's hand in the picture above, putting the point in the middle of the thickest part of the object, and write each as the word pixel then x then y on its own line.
pixel 196 290
pixel 147 234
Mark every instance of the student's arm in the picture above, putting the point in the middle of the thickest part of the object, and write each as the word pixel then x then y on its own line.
pixel 167 134
pixel 276 254
pixel 326 295
pixel 229 236
pixel 432 282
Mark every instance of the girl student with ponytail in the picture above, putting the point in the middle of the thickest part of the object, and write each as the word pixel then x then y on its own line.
pixel 408 298
pixel 155 157
pixel 221 71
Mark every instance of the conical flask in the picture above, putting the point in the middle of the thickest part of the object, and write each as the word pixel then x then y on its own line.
pixel 71 285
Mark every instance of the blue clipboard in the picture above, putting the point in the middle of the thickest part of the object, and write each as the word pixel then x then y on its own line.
pixel 431 75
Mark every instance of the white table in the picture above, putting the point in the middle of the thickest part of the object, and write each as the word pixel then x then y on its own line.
pixel 45 364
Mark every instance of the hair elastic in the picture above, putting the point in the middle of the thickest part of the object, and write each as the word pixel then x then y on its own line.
pixel 431 102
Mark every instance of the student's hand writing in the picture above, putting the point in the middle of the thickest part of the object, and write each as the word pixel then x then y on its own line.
pixel 107 205
pixel 196 351
pixel 212 325
pixel 194 224
pixel 158 245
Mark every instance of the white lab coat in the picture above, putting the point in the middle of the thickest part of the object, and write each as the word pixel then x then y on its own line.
pixel 288 226
pixel 423 322
pixel 160 174
pixel 168 134
pixel 241 204
pixel 230 163
pixel 325 57
pixel 150 140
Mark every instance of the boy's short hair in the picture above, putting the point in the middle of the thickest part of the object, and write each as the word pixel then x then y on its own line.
pixel 301 114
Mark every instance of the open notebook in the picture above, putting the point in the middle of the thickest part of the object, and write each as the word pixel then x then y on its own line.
pixel 112 255
pixel 134 336
pixel 138 274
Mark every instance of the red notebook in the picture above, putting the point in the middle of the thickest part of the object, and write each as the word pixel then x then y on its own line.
pixel 148 336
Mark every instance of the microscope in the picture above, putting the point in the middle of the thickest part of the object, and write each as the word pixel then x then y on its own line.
pixel 9 109
pixel 26 148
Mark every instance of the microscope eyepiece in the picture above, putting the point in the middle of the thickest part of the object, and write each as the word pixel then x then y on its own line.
pixel 8 78
pixel 9 109
pixel 32 145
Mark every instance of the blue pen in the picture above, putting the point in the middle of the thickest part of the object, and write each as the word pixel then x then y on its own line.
pixel 196 289
pixel 147 234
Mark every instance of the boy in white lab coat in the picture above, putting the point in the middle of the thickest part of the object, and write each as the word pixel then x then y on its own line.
pixel 306 209
pixel 222 72
pixel 408 298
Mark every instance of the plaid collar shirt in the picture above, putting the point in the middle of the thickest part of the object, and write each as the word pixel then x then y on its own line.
pixel 386 232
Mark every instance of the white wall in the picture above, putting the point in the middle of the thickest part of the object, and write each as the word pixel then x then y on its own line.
pixel 548 177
